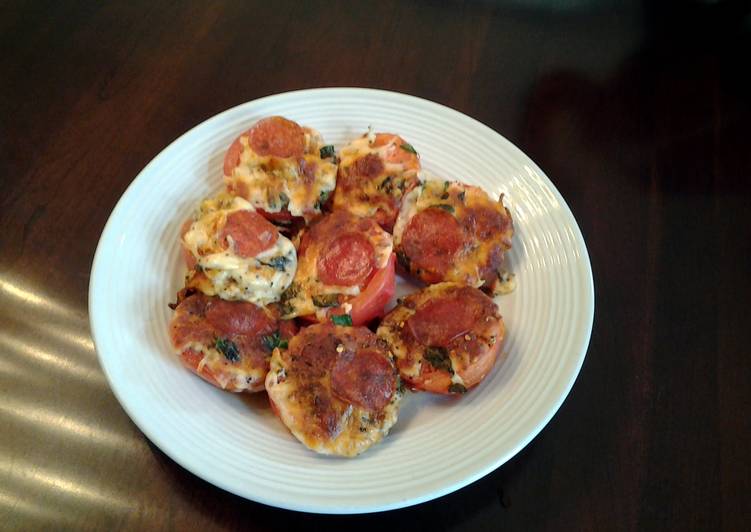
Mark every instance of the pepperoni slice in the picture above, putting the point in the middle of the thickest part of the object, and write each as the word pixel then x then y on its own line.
pixel 238 317
pixel 317 353
pixel 441 320
pixel 364 378
pixel 369 166
pixel 347 260
pixel 250 232
pixel 278 137
pixel 431 240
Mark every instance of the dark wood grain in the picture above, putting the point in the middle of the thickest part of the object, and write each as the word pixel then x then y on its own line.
pixel 639 114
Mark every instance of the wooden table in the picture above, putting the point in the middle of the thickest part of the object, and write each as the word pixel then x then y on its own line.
pixel 639 114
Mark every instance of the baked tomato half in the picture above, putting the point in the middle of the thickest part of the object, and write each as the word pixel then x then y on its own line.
pixel 445 338
pixel 282 168
pixel 369 304
pixel 345 267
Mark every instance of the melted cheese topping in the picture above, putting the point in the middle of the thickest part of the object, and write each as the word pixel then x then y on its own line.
pixel 274 183
pixel 221 272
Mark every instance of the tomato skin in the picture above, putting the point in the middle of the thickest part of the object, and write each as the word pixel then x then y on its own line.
pixel 475 373
pixel 190 359
pixel 371 301
pixel 397 154
pixel 232 157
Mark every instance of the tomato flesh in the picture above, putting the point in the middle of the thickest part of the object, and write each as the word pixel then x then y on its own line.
pixel 370 303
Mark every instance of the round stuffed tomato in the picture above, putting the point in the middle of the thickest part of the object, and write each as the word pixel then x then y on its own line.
pixel 345 271
pixel 335 388
pixel 449 231
pixel 283 169
pixel 227 343
pixel 445 338
pixel 375 172
pixel 235 253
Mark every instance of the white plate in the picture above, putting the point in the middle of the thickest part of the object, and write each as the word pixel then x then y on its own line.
pixel 439 444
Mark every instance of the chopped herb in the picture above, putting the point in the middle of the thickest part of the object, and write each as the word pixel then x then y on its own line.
pixel 228 349
pixel 278 263
pixel 461 195
pixel 326 300
pixel 342 319
pixel 327 151
pixel 274 340
pixel 283 199
pixel 408 148
pixel 290 293
pixel 322 198
pixel 445 207
pixel 387 185
pixel 400 388
pixel 455 387
pixel 438 357
pixel 403 259
pixel 445 193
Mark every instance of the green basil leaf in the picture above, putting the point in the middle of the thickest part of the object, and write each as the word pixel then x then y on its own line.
pixel 285 307
pixel 342 319
pixel 228 349
pixel 408 148
pixel 322 198
pixel 278 263
pixel 457 388
pixel 438 357
pixel 274 340
pixel 327 151
pixel 387 185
